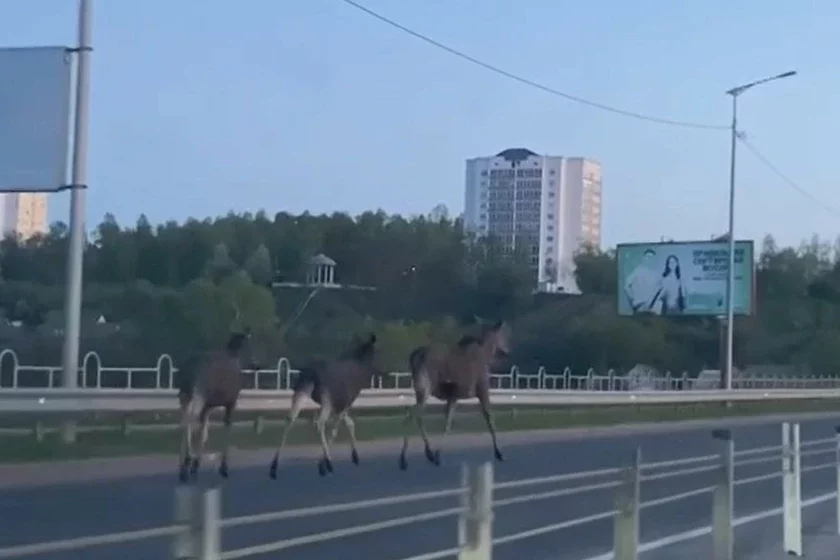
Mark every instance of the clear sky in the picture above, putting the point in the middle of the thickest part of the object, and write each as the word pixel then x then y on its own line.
pixel 199 107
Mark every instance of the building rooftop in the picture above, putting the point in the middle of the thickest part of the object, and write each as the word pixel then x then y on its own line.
pixel 516 154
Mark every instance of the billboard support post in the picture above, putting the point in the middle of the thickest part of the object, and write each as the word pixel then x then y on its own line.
pixel 78 186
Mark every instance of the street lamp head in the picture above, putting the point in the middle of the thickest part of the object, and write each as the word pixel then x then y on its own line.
pixel 741 89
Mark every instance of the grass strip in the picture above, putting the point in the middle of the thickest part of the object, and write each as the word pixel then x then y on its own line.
pixel 108 438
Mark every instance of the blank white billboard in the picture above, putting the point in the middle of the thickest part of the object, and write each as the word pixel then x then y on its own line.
pixel 34 118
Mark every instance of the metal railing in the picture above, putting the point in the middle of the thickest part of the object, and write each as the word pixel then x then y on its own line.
pixel 93 374
pixel 198 525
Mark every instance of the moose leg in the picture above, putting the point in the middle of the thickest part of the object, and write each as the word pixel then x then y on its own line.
pixel 223 465
pixel 336 425
pixel 406 426
pixel 351 429
pixel 325 464
pixel 484 403
pixel 186 445
pixel 449 415
pixel 417 413
pixel 432 456
pixel 294 411
pixel 204 418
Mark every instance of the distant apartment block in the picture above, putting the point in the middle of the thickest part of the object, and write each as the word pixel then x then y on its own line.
pixel 24 214
pixel 548 205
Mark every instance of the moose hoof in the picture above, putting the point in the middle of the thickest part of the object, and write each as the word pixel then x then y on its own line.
pixel 436 460
pixel 430 455
pixel 354 456
pixel 322 467
pixel 272 470
pixel 499 456
pixel 223 470
pixel 183 474
pixel 403 463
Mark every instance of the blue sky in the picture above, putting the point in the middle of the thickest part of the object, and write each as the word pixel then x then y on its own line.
pixel 202 107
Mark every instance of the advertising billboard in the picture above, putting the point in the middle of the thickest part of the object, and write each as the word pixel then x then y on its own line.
pixel 687 278
pixel 34 118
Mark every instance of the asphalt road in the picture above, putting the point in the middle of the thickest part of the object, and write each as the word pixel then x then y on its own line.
pixel 73 510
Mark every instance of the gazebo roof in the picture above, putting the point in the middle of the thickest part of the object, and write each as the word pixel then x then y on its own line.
pixel 321 260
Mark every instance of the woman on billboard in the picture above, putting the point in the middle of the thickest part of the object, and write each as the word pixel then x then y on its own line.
pixel 670 295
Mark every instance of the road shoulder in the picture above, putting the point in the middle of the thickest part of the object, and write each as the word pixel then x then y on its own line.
pixel 24 475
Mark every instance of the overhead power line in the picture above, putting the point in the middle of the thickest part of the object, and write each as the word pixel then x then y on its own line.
pixel 531 83
pixel 787 180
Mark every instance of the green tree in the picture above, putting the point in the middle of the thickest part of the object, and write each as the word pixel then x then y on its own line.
pixel 221 265
pixel 259 266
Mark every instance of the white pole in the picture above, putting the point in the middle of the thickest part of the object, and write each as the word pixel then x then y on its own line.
pixel 626 520
pixel 791 490
pixel 73 294
pixel 837 476
pixel 184 546
pixel 723 536
pixel 730 276
pixel 476 524
pixel 211 531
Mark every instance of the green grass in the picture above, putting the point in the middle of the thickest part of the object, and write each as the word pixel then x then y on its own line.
pixel 370 425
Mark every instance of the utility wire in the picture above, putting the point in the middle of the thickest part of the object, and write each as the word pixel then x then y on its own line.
pixel 788 181
pixel 528 82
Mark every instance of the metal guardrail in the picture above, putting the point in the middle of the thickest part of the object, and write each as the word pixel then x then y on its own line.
pixel 92 374
pixel 156 400
pixel 198 523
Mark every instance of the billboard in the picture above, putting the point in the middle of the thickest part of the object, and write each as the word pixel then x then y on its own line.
pixel 683 278
pixel 34 118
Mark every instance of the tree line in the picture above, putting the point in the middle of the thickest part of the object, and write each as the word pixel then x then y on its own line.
pixel 176 287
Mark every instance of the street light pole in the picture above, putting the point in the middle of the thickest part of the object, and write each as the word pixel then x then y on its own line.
pixel 730 278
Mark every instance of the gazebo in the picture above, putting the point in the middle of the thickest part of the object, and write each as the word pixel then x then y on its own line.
pixel 320 271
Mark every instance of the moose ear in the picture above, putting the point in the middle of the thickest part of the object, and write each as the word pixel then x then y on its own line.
pixel 478 320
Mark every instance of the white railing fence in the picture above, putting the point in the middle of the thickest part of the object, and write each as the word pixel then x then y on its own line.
pixel 93 374
pixel 198 526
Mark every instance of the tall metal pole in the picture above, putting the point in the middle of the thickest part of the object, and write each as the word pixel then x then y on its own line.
pixel 73 294
pixel 730 277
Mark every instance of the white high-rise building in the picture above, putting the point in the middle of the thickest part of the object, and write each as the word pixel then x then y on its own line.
pixel 548 205
pixel 23 214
